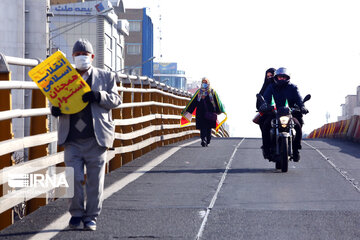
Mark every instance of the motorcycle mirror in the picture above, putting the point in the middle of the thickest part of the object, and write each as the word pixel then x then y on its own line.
pixel 307 98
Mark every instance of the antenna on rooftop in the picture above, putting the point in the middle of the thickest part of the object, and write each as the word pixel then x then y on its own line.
pixel 159 30
pixel 327 117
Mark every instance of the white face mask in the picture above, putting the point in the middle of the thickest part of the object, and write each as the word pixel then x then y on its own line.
pixel 82 62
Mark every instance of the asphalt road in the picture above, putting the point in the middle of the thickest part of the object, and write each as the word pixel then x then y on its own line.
pixel 224 191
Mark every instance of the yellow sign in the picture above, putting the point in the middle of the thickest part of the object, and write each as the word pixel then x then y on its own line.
pixel 60 83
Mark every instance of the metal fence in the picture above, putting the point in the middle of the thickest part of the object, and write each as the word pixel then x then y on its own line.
pixel 148 118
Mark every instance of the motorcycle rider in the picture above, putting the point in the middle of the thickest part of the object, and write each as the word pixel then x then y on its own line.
pixel 282 91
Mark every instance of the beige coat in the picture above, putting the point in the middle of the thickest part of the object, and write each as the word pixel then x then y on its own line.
pixel 105 83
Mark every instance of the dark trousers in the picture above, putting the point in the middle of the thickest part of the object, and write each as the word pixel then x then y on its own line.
pixel 205 132
pixel 265 126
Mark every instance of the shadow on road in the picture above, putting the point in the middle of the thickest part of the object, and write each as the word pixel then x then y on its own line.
pixel 344 146
pixel 251 170
pixel 218 170
pixel 30 233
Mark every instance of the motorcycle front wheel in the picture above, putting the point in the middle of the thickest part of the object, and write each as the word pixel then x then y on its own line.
pixel 278 165
pixel 284 154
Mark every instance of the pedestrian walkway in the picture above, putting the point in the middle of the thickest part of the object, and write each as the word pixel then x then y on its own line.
pixel 140 197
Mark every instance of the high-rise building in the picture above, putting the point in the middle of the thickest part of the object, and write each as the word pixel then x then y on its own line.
pixel 95 21
pixel 139 45
pixel 169 74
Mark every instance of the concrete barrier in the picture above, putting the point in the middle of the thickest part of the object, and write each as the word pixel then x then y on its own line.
pixel 345 129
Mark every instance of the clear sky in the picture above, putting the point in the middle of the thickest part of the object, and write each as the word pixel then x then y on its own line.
pixel 233 42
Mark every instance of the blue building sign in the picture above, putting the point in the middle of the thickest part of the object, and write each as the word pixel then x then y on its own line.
pixel 167 73
pixel 161 67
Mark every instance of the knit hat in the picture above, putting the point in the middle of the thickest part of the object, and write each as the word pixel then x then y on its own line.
pixel 83 45
pixel 206 79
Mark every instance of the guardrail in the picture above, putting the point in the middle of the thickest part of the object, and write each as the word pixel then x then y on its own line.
pixel 345 129
pixel 148 118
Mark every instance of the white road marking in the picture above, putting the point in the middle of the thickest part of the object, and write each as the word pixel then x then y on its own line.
pixel 213 200
pixel 343 173
pixel 202 213
pixel 62 222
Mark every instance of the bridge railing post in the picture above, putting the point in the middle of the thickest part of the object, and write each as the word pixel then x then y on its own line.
pixel 166 111
pixel 171 112
pixel 183 102
pixel 116 162
pixel 126 113
pixel 38 125
pixel 154 109
pixel 177 113
pixel 7 217
pixel 146 112
pixel 137 112
pixel 159 121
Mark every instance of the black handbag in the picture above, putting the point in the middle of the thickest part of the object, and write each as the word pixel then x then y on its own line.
pixel 210 116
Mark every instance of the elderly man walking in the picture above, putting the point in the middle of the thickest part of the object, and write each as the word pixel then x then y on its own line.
pixel 87 135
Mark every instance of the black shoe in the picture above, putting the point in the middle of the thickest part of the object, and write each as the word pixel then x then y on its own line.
pixel 296 155
pixel 203 143
pixel 75 222
pixel 266 153
pixel 298 147
pixel 207 141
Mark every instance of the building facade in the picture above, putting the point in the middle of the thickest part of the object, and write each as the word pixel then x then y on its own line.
pixel 95 21
pixel 24 34
pixel 357 107
pixel 169 74
pixel 55 2
pixel 139 45
pixel 193 86
pixel 351 106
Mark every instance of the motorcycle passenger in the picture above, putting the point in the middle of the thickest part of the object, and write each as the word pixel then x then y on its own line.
pixel 269 79
pixel 282 91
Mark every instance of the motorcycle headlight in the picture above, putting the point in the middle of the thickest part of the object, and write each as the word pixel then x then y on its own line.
pixel 284 120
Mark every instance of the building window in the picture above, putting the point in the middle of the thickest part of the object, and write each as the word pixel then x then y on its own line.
pixel 119 56
pixel 108 42
pixel 118 50
pixel 108 51
pixel 134 49
pixel 136 71
pixel 108 59
pixel 134 26
pixel 118 63
pixel 107 68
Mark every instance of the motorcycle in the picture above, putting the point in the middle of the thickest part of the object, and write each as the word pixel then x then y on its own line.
pixel 282 133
